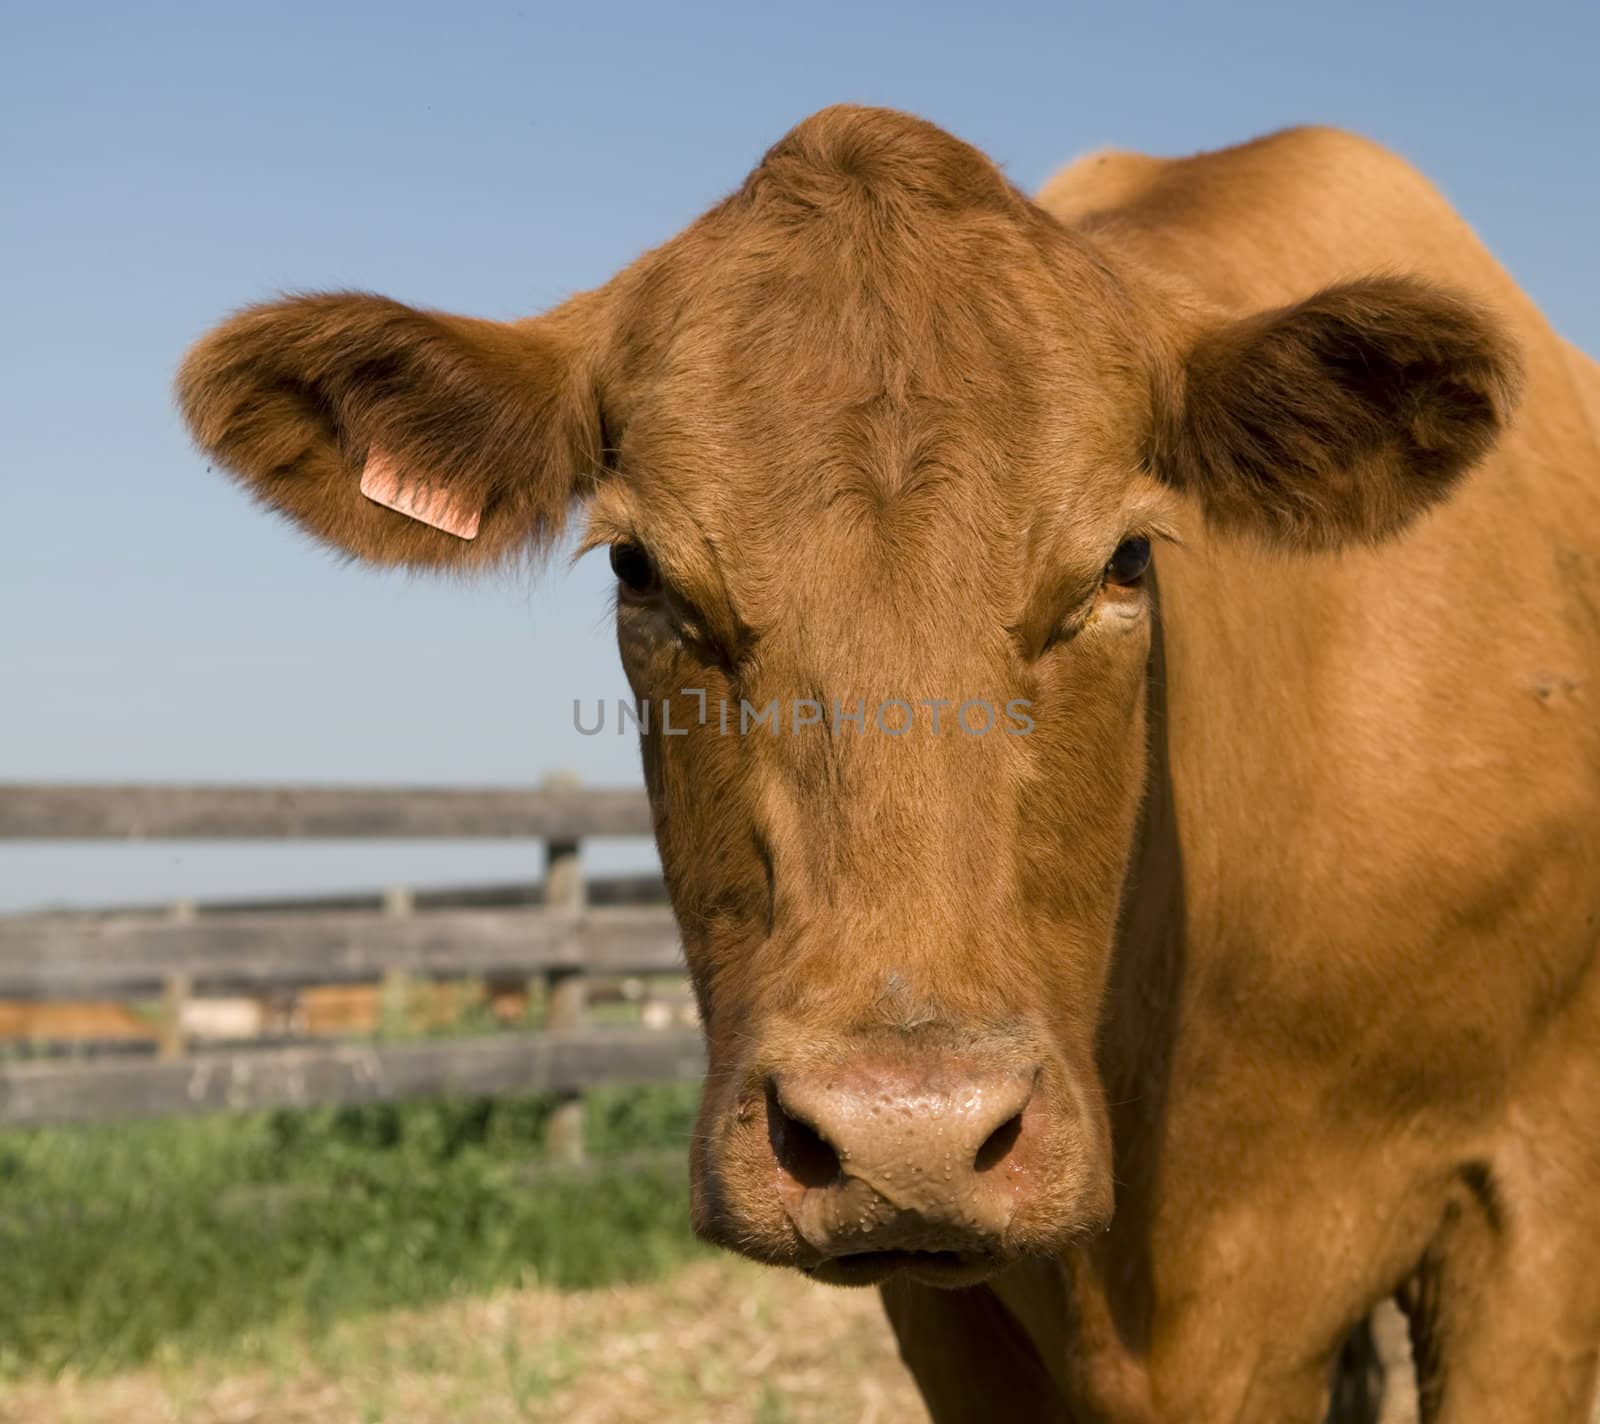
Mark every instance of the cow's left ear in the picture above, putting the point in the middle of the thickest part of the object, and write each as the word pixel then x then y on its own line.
pixel 1339 419
pixel 402 436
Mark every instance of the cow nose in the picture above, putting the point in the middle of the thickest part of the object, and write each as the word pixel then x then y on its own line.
pixel 885 1158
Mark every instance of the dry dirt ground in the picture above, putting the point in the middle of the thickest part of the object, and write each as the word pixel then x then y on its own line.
pixel 718 1341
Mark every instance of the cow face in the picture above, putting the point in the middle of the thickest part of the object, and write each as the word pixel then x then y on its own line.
pixel 880 450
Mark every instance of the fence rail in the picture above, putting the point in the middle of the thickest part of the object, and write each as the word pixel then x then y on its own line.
pixel 497 933
pixel 636 888
pixel 43 811
pixel 344 1073
pixel 63 957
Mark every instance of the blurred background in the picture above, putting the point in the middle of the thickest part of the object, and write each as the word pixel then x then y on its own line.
pixel 164 164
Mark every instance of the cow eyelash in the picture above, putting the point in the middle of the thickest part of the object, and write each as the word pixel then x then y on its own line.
pixel 1129 562
pixel 1122 576
pixel 639 579
pixel 636 571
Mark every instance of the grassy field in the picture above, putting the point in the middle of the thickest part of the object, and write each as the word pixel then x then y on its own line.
pixel 184 1238
pixel 719 1341
pixel 414 1263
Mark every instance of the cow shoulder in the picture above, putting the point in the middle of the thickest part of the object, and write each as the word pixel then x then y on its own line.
pixel 1107 179
pixel 1270 220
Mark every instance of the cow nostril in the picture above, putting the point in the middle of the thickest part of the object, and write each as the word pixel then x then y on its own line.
pixel 802 1153
pixel 998 1144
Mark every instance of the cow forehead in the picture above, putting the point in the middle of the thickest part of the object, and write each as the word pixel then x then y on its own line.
pixel 869 256
pixel 899 504
pixel 875 375
pixel 862 515
pixel 872 296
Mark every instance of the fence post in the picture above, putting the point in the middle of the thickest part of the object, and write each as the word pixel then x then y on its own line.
pixel 566 990
pixel 175 990
pixel 394 999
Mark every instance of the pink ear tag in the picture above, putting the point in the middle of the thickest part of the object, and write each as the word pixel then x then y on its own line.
pixel 383 483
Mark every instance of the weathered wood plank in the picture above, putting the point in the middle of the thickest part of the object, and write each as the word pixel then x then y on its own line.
pixel 32 1093
pixel 64 956
pixel 630 940
pixel 42 811
pixel 643 887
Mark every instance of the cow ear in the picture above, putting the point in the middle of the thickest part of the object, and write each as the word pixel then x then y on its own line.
pixel 401 436
pixel 1339 419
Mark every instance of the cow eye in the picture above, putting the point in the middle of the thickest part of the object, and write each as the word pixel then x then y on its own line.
pixel 1127 566
pixel 634 568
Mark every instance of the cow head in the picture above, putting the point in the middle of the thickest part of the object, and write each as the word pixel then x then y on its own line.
pixel 879 448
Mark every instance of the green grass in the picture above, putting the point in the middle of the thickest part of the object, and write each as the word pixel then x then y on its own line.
pixel 190 1236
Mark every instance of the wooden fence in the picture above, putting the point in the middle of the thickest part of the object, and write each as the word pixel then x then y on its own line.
pixel 559 939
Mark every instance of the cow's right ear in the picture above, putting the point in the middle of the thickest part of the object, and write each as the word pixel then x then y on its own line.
pixel 402 436
pixel 1340 419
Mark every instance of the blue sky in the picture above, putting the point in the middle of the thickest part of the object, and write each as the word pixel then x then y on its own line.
pixel 164 164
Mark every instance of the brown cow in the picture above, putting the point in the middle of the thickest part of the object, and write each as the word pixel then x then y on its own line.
pixel 1201 981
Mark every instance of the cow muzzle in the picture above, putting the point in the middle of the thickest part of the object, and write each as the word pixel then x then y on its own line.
pixel 884 1166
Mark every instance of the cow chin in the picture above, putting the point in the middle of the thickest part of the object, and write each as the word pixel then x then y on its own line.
pixel 868 1165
